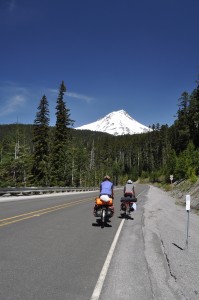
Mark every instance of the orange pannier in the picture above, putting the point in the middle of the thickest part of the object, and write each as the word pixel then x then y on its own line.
pixel 98 201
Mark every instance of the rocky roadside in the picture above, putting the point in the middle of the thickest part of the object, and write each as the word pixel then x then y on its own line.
pixel 180 190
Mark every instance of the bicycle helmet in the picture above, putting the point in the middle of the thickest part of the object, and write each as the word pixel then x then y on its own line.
pixel 129 181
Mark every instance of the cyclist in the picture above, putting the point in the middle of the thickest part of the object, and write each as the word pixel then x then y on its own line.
pixel 129 189
pixel 106 188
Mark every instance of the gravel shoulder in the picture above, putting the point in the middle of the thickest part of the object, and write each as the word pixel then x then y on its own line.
pixel 174 267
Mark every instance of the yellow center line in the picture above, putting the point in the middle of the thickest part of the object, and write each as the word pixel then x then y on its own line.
pixel 40 212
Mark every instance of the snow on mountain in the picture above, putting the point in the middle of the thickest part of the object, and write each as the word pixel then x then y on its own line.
pixel 116 123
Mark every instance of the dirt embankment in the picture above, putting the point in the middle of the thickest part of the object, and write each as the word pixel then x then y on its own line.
pixel 180 190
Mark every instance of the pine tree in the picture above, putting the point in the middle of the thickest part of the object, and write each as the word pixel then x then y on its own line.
pixel 40 169
pixel 194 115
pixel 182 123
pixel 62 155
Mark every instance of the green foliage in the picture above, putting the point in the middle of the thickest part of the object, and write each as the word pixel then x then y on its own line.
pixel 40 168
pixel 61 158
pixel 42 155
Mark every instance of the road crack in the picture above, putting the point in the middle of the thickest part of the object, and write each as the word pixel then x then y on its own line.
pixel 168 262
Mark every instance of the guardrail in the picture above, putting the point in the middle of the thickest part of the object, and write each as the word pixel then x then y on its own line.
pixel 5 192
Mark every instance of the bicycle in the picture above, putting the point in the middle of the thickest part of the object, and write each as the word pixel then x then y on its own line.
pixel 127 205
pixel 103 210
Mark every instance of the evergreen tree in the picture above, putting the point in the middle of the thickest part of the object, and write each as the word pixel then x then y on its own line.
pixel 61 167
pixel 182 123
pixel 40 169
pixel 194 116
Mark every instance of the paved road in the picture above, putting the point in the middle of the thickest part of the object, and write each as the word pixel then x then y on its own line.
pixel 52 248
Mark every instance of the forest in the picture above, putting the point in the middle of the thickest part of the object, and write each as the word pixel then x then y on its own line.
pixel 41 155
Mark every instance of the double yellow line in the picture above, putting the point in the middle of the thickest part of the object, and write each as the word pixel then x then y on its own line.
pixel 40 212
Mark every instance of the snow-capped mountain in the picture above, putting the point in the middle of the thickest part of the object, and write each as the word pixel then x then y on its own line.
pixel 116 123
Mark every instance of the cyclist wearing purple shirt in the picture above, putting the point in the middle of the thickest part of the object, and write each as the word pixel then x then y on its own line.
pixel 106 187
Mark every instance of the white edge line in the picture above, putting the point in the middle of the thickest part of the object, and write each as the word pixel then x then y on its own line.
pixel 102 276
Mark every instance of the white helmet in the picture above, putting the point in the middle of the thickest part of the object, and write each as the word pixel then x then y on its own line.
pixel 129 181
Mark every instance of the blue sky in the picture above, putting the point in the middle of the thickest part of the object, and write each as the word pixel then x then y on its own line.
pixel 136 55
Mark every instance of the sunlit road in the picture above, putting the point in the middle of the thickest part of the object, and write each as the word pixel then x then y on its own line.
pixel 52 248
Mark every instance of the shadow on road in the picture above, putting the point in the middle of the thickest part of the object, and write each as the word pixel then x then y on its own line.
pixel 99 224
pixel 126 217
pixel 177 246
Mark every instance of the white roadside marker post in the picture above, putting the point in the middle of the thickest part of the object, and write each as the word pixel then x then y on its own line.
pixel 187 209
pixel 171 179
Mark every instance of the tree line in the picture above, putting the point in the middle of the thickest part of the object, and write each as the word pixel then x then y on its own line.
pixel 42 155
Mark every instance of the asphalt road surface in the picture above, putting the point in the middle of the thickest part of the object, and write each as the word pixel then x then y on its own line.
pixel 52 248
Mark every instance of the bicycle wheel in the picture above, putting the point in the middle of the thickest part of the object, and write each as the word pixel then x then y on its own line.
pixel 128 211
pixel 103 218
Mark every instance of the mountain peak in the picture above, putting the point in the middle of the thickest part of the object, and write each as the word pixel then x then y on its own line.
pixel 116 123
pixel 119 113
